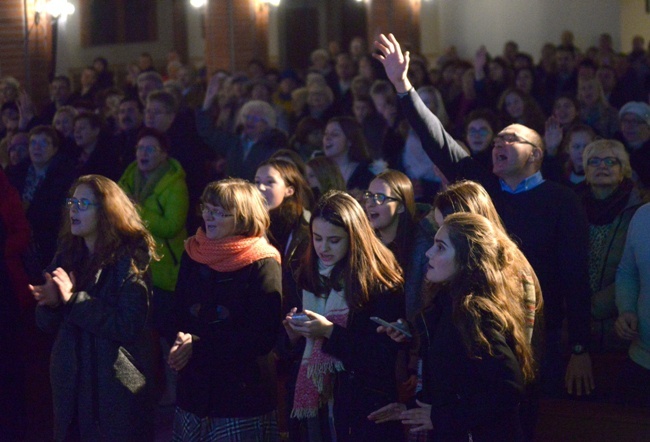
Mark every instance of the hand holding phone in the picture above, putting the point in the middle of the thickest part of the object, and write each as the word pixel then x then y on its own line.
pixel 399 326
pixel 299 318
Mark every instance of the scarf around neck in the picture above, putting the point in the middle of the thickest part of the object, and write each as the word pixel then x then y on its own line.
pixel 315 382
pixel 231 253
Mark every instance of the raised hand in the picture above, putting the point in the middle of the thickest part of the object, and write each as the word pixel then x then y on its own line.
pixel 552 136
pixel 394 61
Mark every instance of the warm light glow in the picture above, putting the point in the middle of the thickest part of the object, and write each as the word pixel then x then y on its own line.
pixel 56 8
pixel 198 3
pixel 273 2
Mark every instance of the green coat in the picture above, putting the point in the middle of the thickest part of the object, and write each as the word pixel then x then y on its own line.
pixel 165 213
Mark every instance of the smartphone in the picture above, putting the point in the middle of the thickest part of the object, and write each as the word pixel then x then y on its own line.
pixel 402 328
pixel 300 317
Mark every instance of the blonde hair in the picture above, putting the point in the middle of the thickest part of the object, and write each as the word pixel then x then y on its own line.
pixel 615 147
pixel 244 201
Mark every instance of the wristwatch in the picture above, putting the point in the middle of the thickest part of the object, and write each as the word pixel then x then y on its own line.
pixel 578 349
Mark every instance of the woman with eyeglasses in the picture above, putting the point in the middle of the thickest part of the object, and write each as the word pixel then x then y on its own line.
pixel 227 317
pixel 610 198
pixel 480 128
pixel 96 299
pixel 392 212
pixel 43 183
pixel 155 182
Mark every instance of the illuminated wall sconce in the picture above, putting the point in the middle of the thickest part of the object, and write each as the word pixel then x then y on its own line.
pixel 198 3
pixel 272 2
pixel 55 8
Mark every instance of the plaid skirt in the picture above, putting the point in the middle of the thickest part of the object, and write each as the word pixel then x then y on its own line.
pixel 191 428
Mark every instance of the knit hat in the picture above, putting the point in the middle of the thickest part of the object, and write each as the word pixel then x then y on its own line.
pixel 638 108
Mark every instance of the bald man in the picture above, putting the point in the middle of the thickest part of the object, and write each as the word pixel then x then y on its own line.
pixel 545 218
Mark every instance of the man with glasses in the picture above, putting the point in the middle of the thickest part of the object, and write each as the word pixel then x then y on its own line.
pixel 635 130
pixel 545 218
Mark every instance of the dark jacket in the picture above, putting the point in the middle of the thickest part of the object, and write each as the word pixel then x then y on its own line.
pixel 101 365
pixel 230 146
pixel 234 318
pixel 368 381
pixel 45 211
pixel 547 221
pixel 468 395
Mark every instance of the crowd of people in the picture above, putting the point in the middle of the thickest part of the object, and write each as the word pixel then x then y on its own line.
pixel 370 248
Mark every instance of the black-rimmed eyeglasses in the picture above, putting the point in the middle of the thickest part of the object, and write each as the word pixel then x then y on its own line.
pixel 377 198
pixel 215 213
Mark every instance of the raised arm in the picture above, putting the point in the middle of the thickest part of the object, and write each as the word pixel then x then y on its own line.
pixel 439 145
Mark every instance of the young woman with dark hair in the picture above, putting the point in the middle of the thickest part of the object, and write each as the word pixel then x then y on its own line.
pixel 96 299
pixel 476 353
pixel 347 369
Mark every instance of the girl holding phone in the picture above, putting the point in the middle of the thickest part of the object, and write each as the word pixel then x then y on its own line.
pixel 347 368
pixel 475 349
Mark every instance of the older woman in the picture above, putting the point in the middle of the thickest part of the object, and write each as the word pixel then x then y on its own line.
pixel 227 317
pixel 255 141
pixel 43 183
pixel 610 199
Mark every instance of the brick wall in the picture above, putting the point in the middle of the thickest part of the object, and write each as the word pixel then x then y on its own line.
pixel 31 71
pixel 249 34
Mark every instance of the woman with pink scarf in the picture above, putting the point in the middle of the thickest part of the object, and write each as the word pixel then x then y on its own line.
pixel 347 368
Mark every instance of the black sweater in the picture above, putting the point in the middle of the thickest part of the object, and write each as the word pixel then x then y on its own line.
pixel 548 222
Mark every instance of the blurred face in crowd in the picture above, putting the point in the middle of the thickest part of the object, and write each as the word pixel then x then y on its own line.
pixel 255 124
pixel 157 116
pixel 588 93
pixel 145 88
pixel 577 144
pixel 344 67
pixel 335 143
pixel 361 110
pixel 269 181
pixel 564 110
pixel 524 81
pixel 41 150
pixel 149 154
pixel 129 116
pixel 479 135
pixel 514 106
pixel 59 91
pixel 84 134
pixel 10 119
pixel 635 129
pixel 88 77
pixel 63 122
pixel 18 149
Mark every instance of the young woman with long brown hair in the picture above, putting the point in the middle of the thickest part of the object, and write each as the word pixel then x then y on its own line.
pixel 347 369
pixel 96 298
pixel 476 354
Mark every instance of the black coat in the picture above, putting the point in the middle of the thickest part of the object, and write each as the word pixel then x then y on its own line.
pixel 467 395
pixel 45 211
pixel 234 318
pixel 102 360
pixel 368 382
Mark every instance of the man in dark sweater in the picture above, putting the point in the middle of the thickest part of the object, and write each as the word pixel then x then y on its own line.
pixel 545 218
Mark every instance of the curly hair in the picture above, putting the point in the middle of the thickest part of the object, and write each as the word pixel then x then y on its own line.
pixel 485 292
pixel 121 232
